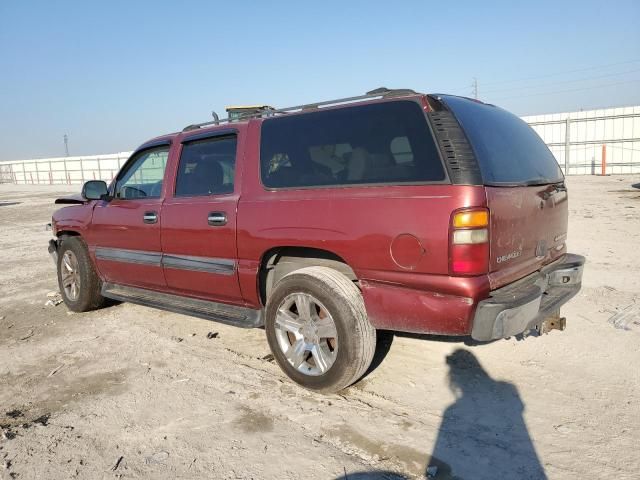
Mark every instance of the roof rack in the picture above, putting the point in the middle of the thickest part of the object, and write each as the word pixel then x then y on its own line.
pixel 381 92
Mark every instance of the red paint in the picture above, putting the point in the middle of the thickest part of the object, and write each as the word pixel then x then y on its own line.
pixel 407 251
pixel 416 311
pixel 185 231
pixel 520 218
pixel 118 224
pixel 395 238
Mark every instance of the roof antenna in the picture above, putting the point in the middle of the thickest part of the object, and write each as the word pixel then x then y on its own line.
pixel 215 117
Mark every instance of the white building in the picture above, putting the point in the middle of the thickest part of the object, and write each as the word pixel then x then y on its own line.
pixel 575 138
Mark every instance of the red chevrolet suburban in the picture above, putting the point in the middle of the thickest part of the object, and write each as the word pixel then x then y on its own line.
pixel 323 223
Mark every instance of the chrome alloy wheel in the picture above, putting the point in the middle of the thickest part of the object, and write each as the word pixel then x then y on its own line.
pixel 70 274
pixel 306 334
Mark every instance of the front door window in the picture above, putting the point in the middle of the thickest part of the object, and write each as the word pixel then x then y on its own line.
pixel 143 179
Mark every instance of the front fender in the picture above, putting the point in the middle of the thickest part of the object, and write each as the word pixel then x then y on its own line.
pixel 74 218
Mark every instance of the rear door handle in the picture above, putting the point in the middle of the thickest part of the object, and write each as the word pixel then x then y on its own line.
pixel 217 219
pixel 150 217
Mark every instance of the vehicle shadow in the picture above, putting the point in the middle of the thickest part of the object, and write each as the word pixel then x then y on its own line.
pixel 372 475
pixel 384 340
pixel 482 434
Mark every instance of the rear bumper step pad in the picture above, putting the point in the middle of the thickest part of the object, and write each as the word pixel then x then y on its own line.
pixel 524 305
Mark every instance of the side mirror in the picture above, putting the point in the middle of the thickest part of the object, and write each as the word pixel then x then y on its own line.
pixel 94 190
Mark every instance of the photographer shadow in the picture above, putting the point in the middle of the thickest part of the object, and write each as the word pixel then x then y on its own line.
pixel 482 434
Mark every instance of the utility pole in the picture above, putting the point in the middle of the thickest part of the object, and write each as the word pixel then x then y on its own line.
pixel 66 145
pixel 474 85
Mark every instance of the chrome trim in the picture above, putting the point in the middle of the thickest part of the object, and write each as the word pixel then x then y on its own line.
pixel 217 219
pixel 222 266
pixel 150 217
pixel 129 256
pixel 566 277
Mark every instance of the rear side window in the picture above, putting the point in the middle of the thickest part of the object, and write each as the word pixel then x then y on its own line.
pixel 207 167
pixel 367 144
pixel 508 150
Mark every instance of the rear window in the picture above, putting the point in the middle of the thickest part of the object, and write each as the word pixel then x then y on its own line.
pixel 508 150
pixel 367 144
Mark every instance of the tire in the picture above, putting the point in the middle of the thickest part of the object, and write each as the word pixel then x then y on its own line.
pixel 332 297
pixel 87 294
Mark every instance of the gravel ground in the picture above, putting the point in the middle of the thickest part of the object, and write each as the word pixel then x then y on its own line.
pixel 131 392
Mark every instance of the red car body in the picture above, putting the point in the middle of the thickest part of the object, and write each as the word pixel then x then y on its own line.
pixel 395 238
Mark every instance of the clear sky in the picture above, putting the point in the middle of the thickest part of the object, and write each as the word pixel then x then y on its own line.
pixel 112 74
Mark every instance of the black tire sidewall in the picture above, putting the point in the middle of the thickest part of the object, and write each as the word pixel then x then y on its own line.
pixel 88 298
pixel 342 315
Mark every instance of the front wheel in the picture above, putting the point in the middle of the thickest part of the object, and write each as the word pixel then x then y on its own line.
pixel 317 329
pixel 78 281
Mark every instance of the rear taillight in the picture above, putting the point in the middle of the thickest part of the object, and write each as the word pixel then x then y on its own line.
pixel 469 242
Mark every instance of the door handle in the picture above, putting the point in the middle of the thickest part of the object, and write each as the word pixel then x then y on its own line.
pixel 217 219
pixel 150 217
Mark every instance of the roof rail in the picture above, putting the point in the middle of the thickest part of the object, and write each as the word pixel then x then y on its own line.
pixel 381 92
pixel 395 92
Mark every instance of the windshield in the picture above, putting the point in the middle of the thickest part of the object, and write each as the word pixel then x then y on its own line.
pixel 509 152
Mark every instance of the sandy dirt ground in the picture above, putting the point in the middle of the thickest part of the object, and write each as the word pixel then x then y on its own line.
pixel 132 392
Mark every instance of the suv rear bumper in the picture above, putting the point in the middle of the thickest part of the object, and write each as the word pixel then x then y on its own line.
pixel 523 305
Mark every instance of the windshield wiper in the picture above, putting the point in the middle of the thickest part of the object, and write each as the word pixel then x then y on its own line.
pixel 526 183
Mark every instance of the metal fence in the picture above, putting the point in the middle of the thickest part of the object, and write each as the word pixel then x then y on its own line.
pixel 605 141
pixel 63 171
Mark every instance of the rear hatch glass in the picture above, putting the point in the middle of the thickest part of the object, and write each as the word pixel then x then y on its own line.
pixel 524 187
pixel 508 150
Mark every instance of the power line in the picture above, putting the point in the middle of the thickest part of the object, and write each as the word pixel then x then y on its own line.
pixel 595 67
pixel 554 74
pixel 562 81
pixel 567 91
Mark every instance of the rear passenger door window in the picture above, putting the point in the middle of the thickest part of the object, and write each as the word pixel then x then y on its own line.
pixel 207 167
pixel 379 143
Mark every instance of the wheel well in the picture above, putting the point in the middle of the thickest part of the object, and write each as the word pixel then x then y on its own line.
pixel 67 233
pixel 278 262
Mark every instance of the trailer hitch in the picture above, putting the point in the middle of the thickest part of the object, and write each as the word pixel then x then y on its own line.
pixel 552 322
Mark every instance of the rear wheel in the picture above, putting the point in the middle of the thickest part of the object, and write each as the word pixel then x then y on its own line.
pixel 318 330
pixel 78 281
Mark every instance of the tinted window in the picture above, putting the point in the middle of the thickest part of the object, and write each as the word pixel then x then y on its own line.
pixel 207 167
pixel 376 143
pixel 143 178
pixel 507 149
